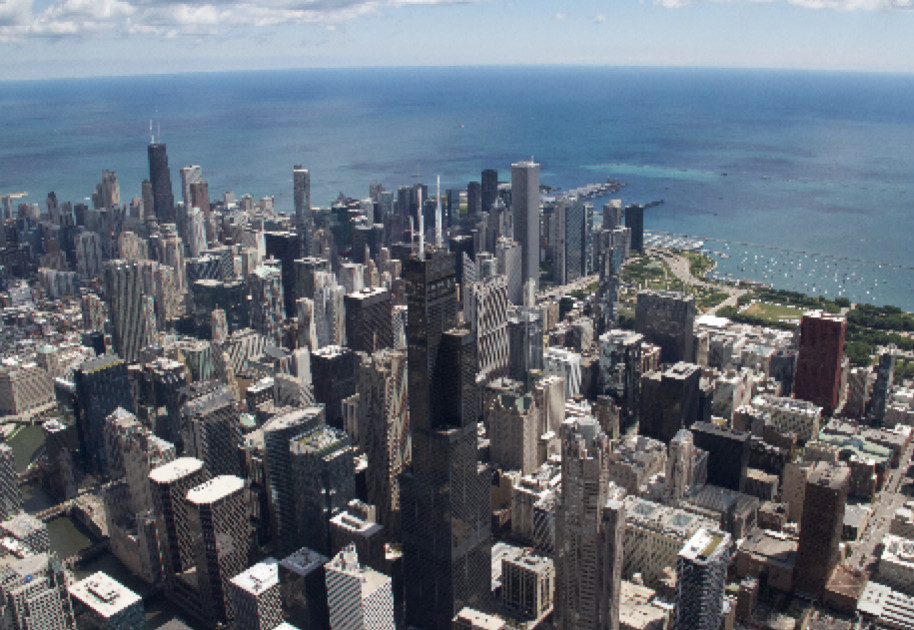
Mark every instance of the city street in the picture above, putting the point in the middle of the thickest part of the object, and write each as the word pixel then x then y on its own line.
pixel 890 499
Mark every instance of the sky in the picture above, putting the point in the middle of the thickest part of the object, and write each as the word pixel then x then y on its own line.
pixel 75 38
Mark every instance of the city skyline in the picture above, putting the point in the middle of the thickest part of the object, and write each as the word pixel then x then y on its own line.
pixel 76 38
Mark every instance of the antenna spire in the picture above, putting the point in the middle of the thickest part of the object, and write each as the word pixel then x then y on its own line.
pixel 152 138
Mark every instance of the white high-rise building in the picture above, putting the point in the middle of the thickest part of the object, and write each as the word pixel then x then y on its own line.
pixel 256 598
pixel 702 577
pixel 358 598
pixel 196 231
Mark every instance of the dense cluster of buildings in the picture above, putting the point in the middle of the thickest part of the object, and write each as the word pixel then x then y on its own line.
pixel 369 416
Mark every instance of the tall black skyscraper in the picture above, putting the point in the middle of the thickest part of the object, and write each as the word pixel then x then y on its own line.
pixel 444 499
pixel 162 193
pixel 489 189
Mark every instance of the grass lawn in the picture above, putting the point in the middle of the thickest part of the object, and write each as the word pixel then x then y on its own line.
pixel 773 312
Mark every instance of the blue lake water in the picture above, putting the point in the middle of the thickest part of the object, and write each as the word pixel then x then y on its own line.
pixel 808 162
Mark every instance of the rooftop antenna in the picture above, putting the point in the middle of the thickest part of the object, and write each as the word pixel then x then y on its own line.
pixel 159 132
pixel 438 215
pixel 152 138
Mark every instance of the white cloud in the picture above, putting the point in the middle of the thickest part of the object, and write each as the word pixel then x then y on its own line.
pixel 176 18
pixel 560 15
pixel 835 5
pixel 599 18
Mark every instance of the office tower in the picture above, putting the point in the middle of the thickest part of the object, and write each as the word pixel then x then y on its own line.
pixel 329 308
pixel 384 407
pixel 572 240
pixel 821 527
pixel 634 220
pixel 277 433
pixel 199 198
pixel 196 231
pixel 333 377
pixel 666 319
pixel 701 578
pixel 669 401
pixel 474 199
pixel 301 196
pixel 307 327
pixel 163 208
pixel 35 593
pixel 102 603
pixel 323 474
pixel 620 372
pixel 170 485
pixel 190 175
pixel 610 256
pixel 61 442
pixel 565 364
pixel 369 326
pixel 107 193
pixel 821 348
pixel 728 454
pixel 255 597
pixel 10 494
pixel 302 585
pixel 101 387
pixel 267 301
pixel 487 315
pixel 680 465
pixel 512 424
pixel 444 500
pixel 306 270
pixel 885 375
pixel 220 537
pixel 358 525
pixel 612 214
pixel 525 207
pixel 489 189
pixel 528 584
pixel 359 598
pixel 213 429
pixel 510 264
pixel 525 342
pixel 589 524
pixel 286 248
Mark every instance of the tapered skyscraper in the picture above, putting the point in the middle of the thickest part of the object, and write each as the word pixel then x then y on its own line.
pixel 301 181
pixel 525 206
pixel 444 499
pixel 160 177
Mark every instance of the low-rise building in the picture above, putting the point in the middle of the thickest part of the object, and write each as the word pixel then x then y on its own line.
pixel 896 564
pixel 102 603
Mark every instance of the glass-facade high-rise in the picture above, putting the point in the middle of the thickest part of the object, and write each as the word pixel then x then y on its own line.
pixel 444 498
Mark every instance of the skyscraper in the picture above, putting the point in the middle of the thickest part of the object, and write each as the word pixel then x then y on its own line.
pixel 255 595
pixel 160 177
pixel 702 576
pixel 10 494
pixel 101 387
pixel 489 189
pixel 190 175
pixel 277 433
pixel 525 206
pixel 213 430
pixel 267 303
pixel 369 325
pixel 381 385
pixel 220 537
pixel 589 527
pixel 322 471
pixel 821 348
pixel 129 306
pixel 304 220
pixel 170 484
pixel 444 498
pixel 359 598
pixel 821 527
pixel 634 220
